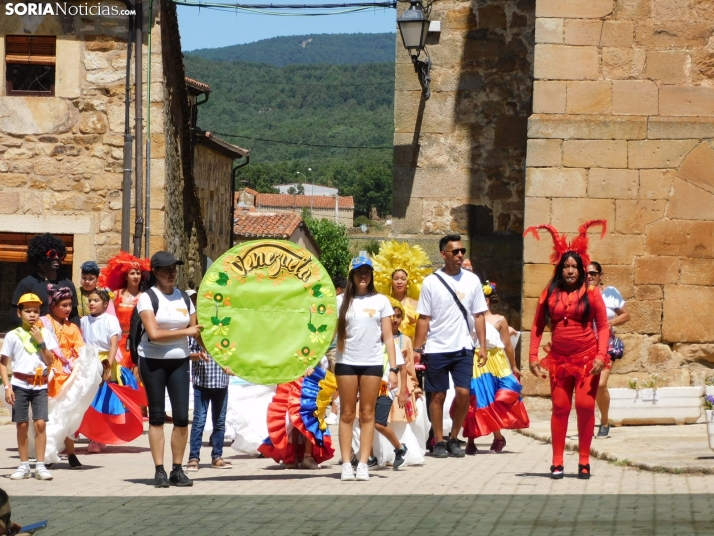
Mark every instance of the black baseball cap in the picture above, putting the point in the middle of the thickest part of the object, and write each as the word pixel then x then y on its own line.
pixel 162 259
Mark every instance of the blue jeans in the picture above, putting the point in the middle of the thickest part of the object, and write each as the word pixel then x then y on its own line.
pixel 218 398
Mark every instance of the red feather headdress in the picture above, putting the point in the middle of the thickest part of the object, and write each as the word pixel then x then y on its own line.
pixel 579 244
pixel 113 275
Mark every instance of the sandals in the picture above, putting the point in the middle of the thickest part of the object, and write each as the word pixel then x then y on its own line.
pixel 220 463
pixel 584 471
pixel 556 472
pixel 192 465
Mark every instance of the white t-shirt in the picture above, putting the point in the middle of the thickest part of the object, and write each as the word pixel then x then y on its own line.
pixel 399 356
pixel 24 362
pixel 363 341
pixel 172 314
pixel 98 330
pixel 447 329
pixel 613 300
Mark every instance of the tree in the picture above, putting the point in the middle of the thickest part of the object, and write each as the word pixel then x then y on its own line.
pixel 334 245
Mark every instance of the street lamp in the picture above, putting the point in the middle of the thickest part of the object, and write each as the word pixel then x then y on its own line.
pixel 414 27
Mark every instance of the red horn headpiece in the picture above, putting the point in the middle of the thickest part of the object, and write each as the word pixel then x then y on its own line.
pixel 579 244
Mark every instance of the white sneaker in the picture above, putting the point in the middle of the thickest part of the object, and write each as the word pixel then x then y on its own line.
pixel 332 419
pixel 362 472
pixel 41 472
pixel 347 472
pixel 23 472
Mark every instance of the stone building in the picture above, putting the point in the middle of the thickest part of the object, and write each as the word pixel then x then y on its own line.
pixel 618 96
pixel 320 206
pixel 61 141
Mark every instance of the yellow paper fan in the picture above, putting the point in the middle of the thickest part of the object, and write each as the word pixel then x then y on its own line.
pixel 400 256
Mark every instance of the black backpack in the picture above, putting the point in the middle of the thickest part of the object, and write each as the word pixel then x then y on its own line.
pixel 136 326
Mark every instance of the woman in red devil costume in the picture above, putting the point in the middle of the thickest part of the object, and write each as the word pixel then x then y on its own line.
pixel 576 354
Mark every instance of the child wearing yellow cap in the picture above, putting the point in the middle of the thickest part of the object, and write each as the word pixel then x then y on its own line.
pixel 29 348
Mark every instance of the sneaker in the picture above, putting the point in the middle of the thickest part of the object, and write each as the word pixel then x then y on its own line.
pixel 471 449
pixel 308 462
pixel 603 431
pixel 453 448
pixel 94 448
pixel 399 457
pixel 556 472
pixel 23 472
pixel 74 463
pixel 372 461
pixel 41 472
pixel 347 472
pixel 161 480
pixel 584 471
pixel 440 450
pixel 498 445
pixel 179 478
pixel 362 472
pixel 332 419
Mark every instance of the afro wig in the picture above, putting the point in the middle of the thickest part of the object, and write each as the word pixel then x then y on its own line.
pixel 38 247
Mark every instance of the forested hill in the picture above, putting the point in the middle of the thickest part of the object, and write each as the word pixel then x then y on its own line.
pixel 338 49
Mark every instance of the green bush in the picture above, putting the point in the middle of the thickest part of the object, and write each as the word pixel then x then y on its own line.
pixel 334 245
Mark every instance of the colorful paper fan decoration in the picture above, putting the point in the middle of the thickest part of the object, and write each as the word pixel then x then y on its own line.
pixel 268 309
pixel 113 275
pixel 400 256
pixel 579 244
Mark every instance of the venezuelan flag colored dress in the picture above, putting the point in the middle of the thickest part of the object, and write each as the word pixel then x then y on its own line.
pixel 496 402
pixel 300 405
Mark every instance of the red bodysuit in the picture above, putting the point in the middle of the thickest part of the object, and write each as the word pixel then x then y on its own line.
pixel 573 349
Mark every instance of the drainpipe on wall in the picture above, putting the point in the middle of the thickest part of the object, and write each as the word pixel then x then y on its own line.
pixel 128 140
pixel 233 196
pixel 147 207
pixel 139 131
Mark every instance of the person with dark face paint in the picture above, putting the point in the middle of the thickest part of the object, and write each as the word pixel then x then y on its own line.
pixel 45 254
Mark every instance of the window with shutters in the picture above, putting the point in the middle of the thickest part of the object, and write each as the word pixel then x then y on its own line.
pixel 30 65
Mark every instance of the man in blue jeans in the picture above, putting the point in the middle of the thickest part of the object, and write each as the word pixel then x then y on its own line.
pixel 210 386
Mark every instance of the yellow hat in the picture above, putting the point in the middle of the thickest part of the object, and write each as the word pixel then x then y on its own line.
pixel 29 298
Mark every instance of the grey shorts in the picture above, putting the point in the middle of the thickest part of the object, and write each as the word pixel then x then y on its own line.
pixel 23 399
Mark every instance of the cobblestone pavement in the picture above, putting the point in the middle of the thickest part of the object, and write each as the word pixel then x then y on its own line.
pixel 489 494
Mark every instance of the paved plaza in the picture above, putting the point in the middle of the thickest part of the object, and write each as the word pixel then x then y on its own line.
pixel 488 494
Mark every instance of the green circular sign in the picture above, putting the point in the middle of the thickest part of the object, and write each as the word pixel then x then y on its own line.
pixel 268 310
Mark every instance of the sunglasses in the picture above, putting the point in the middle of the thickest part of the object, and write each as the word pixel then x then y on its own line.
pixel 5 519
pixel 594 274
pixel 53 254
pixel 456 251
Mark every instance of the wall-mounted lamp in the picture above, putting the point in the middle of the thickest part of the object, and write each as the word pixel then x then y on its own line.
pixel 414 27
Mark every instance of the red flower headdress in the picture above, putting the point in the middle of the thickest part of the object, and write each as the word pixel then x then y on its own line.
pixel 113 275
pixel 579 244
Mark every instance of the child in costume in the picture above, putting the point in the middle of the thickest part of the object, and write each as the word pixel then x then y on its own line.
pixel 297 431
pixel 74 379
pixel 88 282
pixel 29 348
pixel 115 414
pixel 495 402
pixel 569 305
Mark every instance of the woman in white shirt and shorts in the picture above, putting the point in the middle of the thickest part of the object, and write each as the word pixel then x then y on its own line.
pixel 364 321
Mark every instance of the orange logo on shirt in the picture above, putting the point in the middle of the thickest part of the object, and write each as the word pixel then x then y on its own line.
pixel 370 312
pixel 182 310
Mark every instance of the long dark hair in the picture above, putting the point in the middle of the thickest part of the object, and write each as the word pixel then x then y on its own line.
pixel 349 295
pixel 558 284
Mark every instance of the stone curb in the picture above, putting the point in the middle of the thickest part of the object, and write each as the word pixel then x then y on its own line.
pixel 606 456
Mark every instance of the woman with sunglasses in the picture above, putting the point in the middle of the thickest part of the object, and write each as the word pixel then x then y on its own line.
pixel 617 314
pixel 45 254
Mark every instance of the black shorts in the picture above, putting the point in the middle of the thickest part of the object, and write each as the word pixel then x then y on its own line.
pixel 342 369
pixel 26 397
pixel 382 410
pixel 438 366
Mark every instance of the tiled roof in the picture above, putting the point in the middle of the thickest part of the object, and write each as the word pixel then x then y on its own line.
pixel 195 87
pixel 214 142
pixel 266 225
pixel 300 201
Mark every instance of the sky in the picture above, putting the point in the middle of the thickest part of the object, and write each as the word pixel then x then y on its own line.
pixel 205 28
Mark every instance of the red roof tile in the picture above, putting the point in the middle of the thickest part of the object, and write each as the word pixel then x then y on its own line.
pixel 300 201
pixel 266 225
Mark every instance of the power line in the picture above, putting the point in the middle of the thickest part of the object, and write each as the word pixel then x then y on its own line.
pixel 303 144
pixel 296 10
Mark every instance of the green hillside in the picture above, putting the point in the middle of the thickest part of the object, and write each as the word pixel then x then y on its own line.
pixel 331 105
pixel 338 49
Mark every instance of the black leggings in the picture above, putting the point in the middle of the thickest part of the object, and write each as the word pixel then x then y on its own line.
pixel 159 376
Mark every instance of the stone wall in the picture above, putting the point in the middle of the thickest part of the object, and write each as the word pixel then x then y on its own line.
pixel 622 129
pixel 61 156
pixel 213 174
pixel 459 157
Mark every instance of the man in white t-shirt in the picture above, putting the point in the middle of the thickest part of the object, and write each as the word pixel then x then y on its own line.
pixel 451 306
